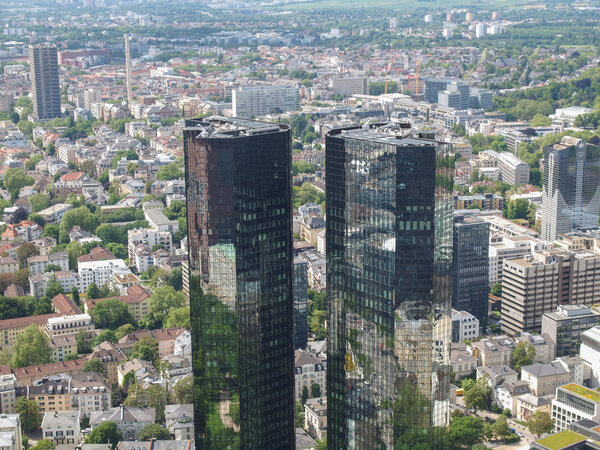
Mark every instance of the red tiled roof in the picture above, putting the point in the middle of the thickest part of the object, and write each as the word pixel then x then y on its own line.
pixel 72 176
pixel 158 335
pixel 96 254
pixel 65 306
pixel 45 370
pixel 26 321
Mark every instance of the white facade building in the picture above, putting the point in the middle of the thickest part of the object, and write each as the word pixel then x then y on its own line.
pixel 253 101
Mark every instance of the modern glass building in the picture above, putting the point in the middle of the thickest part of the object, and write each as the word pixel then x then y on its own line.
pixel 389 275
pixel 300 303
pixel 471 272
pixel 571 196
pixel 238 182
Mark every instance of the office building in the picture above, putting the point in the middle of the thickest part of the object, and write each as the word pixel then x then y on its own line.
pixel 349 86
pixel 389 275
pixel 253 101
pixel 238 178
pixel 565 325
pixel 43 64
pixel 590 352
pixel 300 303
pixel 511 247
pixel 574 402
pixel 571 197
pixel 514 171
pixel 470 283
pixel 537 284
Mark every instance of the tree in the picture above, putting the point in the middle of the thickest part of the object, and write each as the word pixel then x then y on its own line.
pixel 517 209
pixel 162 301
pixel 21 278
pixel 74 250
pixel 304 395
pixel 154 431
pixel 522 355
pixel 466 431
pixel 124 330
pixel 539 120
pixel 93 365
pixel 111 313
pixel 106 432
pixel 92 291
pixel 111 233
pixel 44 444
pixel 52 268
pixel 458 129
pixel 31 348
pixel 539 423
pixel 184 390
pixel 170 172
pixel 29 413
pixel 146 348
pixel 106 335
pixel 19 215
pixel 501 427
pixel 25 251
pixel 299 415
pixel 81 216
pixel 479 396
pixel 75 295
pixel 119 250
pixel 15 179
pixel 54 288
pixel 37 202
pixel 315 390
pixel 156 396
pixel 496 289
pixel 178 318
pixel 467 384
pixel 176 278
pixel 84 344
pixel 51 230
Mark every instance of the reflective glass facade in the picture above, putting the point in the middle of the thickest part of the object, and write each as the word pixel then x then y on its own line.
pixel 300 303
pixel 470 284
pixel 389 276
pixel 571 196
pixel 238 181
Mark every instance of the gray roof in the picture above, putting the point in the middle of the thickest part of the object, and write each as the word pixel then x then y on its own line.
pixel 175 412
pixel 123 414
pixel 156 445
pixel 533 400
pixel 545 370
pixel 60 418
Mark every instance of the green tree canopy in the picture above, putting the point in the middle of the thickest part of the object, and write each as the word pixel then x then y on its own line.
pixel 106 432
pixel 162 301
pixel 81 216
pixel 146 348
pixel 154 431
pixel 111 313
pixel 93 365
pixel 37 202
pixel 539 423
pixel 29 413
pixel 156 396
pixel 14 179
pixel 522 355
pixel 31 348
pixel 184 390
pixel 479 396
pixel 466 431
pixel 178 317
pixel 106 335
pixel 124 330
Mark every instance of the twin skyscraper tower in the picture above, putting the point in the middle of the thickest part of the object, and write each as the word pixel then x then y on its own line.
pixel 389 204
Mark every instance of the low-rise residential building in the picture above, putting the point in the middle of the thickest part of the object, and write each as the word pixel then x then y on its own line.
pixel 505 395
pixel 543 379
pixel 543 345
pixel 27 375
pixel 166 339
pixel 155 444
pixel 69 325
pixel 310 227
pixel 315 417
pixel 8 265
pixel 139 371
pixel 579 370
pixel 148 236
pixel 89 393
pixel 39 283
pixel 51 394
pixel 493 351
pixel 10 432
pixel 137 300
pixel 8 395
pixel 180 421
pixel 158 221
pixel 465 326
pixel 99 266
pixel 111 357
pixel 481 201
pixel 496 375
pixel 38 264
pixel 574 402
pixel 62 427
pixel 527 404
pixel 54 213
pixel 310 369
pixel 130 421
pixel 11 328
pixel 63 346
pixel 565 325
pixel 463 363
pixel 27 230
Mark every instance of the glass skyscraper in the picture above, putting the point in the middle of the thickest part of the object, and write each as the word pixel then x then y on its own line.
pixel 571 196
pixel 238 182
pixel 389 275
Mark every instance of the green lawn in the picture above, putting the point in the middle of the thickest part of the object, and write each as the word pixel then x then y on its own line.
pixel 561 440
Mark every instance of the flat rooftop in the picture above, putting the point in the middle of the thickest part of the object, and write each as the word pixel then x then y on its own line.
pixel 230 127
pixel 384 134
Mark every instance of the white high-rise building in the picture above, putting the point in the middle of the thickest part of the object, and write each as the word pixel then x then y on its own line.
pixel 393 23
pixel 253 101
pixel 480 30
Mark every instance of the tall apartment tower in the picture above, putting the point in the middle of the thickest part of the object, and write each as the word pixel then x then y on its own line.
pixel 470 281
pixel 389 275
pixel 571 196
pixel 238 182
pixel 43 64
